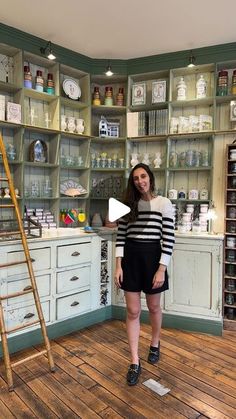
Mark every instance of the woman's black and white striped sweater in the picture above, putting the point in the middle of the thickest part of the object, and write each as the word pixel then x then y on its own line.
pixel 154 222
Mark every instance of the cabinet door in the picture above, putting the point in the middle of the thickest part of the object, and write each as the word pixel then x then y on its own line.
pixel 195 280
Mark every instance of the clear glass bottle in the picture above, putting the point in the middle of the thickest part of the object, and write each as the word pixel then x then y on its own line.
pixel 201 87
pixel 181 89
pixel 27 77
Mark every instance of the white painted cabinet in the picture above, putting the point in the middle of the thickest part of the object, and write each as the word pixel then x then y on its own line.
pixel 195 279
pixel 195 273
pixel 67 266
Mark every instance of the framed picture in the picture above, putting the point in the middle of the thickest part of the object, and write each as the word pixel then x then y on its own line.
pixel 139 94
pixel 158 91
pixel 233 110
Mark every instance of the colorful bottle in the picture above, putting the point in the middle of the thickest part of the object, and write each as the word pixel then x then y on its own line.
pixel 120 97
pixel 50 85
pixel 96 96
pixel 108 96
pixel 222 83
pixel 39 81
pixel 27 77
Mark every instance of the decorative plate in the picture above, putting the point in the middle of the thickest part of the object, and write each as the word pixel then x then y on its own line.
pixel 71 89
pixel 71 188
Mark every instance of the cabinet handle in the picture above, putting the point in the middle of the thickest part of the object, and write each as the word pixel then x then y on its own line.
pixel 75 254
pixel 75 303
pixel 29 315
pixel 32 259
pixel 74 278
pixel 27 288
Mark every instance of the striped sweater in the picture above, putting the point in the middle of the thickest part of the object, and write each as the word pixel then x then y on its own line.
pixel 154 222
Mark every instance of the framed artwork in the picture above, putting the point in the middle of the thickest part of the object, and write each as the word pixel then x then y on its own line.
pixel 233 110
pixel 158 91
pixel 139 94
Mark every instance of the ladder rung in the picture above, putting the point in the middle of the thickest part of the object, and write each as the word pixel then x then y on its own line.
pixel 7 206
pixel 5 265
pixel 16 294
pixel 9 233
pixel 28 358
pixel 4 179
pixel 22 326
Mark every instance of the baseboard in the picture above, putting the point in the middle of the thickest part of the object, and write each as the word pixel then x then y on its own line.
pixel 68 326
pixel 213 327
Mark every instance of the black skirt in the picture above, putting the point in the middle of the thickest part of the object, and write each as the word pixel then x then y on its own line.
pixel 139 264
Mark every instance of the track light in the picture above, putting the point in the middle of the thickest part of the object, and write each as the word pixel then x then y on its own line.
pixel 48 51
pixel 191 60
pixel 109 71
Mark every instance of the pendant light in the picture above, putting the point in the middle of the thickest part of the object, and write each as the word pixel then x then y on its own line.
pixel 48 51
pixel 191 60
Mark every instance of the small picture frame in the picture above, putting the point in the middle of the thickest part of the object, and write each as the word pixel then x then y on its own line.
pixel 233 110
pixel 139 94
pixel 158 91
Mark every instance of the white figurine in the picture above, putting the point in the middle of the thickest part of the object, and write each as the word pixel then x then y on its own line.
pixel 134 159
pixel 6 193
pixel 146 159
pixel 157 161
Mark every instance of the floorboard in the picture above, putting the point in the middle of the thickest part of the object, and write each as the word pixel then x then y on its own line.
pixel 91 366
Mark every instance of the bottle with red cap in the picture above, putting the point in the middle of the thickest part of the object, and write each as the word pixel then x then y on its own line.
pixel 222 83
pixel 50 89
pixel 39 81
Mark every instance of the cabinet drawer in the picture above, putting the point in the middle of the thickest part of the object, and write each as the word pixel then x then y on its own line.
pixel 73 279
pixel 26 315
pixel 73 254
pixel 73 305
pixel 41 261
pixel 43 285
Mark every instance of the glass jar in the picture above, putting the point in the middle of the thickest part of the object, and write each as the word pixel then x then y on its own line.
pixel 229 299
pixel 50 84
pixel 222 83
pixel 27 77
pixel 230 314
pixel 231 242
pixel 173 159
pixel 232 212
pixel 232 198
pixel 181 89
pixel 230 255
pixel 230 285
pixel 201 87
pixel 230 270
pixel 120 97
pixel 231 227
pixel 233 88
pixel 39 81
pixel 108 96
pixel 96 96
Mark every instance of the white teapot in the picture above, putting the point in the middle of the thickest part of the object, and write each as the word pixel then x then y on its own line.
pixel 134 159
pixel 157 161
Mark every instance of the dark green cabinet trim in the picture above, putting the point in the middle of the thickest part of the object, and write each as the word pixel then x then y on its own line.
pixel 68 326
pixel 34 337
pixel 213 327
pixel 31 43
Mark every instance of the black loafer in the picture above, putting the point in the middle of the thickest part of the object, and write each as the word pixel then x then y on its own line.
pixel 133 374
pixel 154 354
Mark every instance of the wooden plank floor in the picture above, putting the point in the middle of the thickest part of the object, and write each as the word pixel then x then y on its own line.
pixel 89 381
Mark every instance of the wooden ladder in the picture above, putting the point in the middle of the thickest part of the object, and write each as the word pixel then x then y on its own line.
pixel 31 288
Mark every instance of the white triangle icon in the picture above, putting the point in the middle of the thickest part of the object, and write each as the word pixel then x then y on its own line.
pixel 116 209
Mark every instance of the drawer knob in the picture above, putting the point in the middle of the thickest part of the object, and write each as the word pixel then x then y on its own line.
pixel 32 259
pixel 74 278
pixel 75 303
pixel 29 315
pixel 27 288
pixel 75 253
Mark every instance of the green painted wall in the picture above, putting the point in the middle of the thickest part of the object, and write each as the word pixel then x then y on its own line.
pixel 31 43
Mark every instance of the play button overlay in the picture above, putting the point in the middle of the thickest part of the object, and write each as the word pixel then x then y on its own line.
pixel 116 209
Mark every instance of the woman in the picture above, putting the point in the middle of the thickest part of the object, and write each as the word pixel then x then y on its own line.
pixel 144 246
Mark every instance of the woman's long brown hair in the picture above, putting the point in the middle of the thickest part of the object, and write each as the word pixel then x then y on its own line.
pixel 132 195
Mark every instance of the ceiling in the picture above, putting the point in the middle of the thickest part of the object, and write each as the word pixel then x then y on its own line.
pixel 124 28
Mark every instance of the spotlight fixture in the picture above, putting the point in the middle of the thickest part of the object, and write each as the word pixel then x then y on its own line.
pixel 109 71
pixel 48 51
pixel 191 60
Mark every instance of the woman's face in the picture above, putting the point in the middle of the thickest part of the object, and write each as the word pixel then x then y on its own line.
pixel 141 180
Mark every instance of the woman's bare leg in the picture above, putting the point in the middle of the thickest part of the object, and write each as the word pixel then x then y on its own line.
pixel 133 306
pixel 155 314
